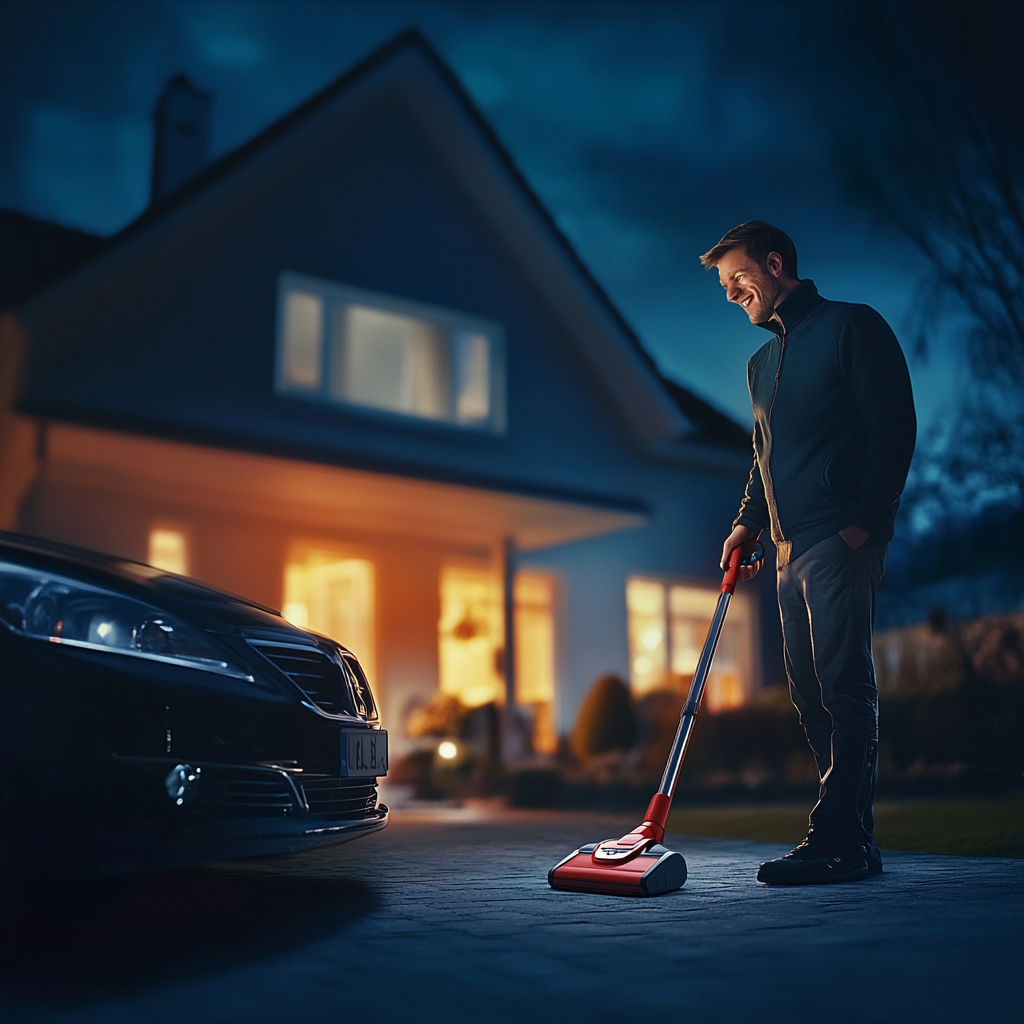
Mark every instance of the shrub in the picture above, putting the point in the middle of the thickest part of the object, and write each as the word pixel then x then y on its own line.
pixel 978 724
pixel 764 737
pixel 443 716
pixel 606 720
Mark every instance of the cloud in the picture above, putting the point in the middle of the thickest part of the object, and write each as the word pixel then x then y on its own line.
pixel 86 171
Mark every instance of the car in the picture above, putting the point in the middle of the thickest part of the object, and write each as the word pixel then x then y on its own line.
pixel 149 721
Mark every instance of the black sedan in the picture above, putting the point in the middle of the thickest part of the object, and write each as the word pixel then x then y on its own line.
pixel 149 721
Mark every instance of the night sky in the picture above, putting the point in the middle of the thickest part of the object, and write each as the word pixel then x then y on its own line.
pixel 648 129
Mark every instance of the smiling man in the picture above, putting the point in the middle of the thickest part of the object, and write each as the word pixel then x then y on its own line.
pixel 834 432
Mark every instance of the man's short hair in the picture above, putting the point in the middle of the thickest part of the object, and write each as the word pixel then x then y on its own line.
pixel 756 238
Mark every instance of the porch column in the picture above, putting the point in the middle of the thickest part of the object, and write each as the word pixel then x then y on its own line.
pixel 515 738
pixel 509 593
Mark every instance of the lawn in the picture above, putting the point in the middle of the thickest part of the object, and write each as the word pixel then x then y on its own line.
pixel 969 828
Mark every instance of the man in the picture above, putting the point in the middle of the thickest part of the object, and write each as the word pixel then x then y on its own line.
pixel 834 432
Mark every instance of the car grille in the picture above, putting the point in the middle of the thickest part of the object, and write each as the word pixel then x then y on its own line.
pixel 315 674
pixel 247 793
pixel 342 799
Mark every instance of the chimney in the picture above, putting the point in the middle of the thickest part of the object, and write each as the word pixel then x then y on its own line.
pixel 181 142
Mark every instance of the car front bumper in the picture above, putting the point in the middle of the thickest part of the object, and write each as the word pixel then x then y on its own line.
pixel 231 812
pixel 157 847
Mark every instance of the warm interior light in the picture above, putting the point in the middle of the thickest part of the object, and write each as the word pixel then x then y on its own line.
pixel 296 613
pixel 652 638
pixel 535 655
pixel 448 750
pixel 668 624
pixel 471 634
pixel 168 550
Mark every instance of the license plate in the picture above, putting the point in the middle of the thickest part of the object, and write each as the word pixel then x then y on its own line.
pixel 364 752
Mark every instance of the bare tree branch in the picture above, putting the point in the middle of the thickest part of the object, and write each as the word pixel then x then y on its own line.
pixel 942 158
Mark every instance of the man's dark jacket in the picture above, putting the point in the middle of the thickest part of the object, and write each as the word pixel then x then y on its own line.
pixel 834 423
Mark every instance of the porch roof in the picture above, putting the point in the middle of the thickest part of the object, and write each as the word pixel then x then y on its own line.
pixel 316 495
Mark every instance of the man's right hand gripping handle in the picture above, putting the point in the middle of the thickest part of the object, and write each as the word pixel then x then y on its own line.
pixel 745 538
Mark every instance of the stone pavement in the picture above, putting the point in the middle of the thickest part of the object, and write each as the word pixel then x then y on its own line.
pixel 449 918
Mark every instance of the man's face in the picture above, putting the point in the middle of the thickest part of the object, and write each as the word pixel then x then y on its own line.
pixel 749 285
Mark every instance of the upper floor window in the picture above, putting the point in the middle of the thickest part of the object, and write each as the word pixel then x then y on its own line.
pixel 358 348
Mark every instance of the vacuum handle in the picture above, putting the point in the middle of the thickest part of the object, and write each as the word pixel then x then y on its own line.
pixel 730 578
pixel 736 561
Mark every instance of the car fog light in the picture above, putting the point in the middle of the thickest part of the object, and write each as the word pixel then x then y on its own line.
pixel 182 782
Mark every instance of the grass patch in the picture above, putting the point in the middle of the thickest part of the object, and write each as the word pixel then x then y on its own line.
pixel 968 828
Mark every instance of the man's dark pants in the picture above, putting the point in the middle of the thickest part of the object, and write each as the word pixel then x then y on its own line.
pixel 827 601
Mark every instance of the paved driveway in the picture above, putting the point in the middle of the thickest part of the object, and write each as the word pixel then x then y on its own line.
pixel 449 918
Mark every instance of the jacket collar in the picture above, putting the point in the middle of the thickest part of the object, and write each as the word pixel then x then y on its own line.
pixel 793 308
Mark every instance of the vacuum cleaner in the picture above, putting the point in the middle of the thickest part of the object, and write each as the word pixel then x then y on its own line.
pixel 637 864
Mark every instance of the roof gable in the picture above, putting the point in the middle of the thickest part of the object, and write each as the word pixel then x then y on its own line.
pixel 409 68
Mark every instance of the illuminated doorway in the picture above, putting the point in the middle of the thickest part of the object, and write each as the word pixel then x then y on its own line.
pixel 471 644
pixel 471 635
pixel 334 595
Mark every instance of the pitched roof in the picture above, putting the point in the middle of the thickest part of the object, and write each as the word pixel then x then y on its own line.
pixel 663 413
pixel 712 424
pixel 35 253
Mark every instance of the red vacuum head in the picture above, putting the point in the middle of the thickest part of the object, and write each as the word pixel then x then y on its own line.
pixel 653 871
pixel 635 865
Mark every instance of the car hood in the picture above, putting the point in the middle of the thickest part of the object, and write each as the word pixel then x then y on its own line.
pixel 193 601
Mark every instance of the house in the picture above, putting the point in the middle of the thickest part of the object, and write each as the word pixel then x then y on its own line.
pixel 352 370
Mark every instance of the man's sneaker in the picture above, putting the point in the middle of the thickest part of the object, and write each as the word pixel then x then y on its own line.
pixel 873 855
pixel 815 862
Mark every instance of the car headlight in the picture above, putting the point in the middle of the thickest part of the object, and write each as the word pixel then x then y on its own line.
pixel 65 611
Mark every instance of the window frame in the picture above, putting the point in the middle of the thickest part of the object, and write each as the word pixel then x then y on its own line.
pixel 333 295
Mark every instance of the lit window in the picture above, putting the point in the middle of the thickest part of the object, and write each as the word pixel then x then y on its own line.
pixel 389 361
pixel 535 656
pixel 472 377
pixel 168 550
pixel 303 331
pixel 333 595
pixel 471 635
pixel 648 649
pixel 345 345
pixel 668 624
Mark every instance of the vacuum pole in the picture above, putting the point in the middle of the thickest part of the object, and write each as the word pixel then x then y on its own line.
pixel 700 678
pixel 689 713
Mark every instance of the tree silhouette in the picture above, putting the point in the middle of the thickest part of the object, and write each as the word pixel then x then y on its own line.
pixel 935 145
pixel 940 155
